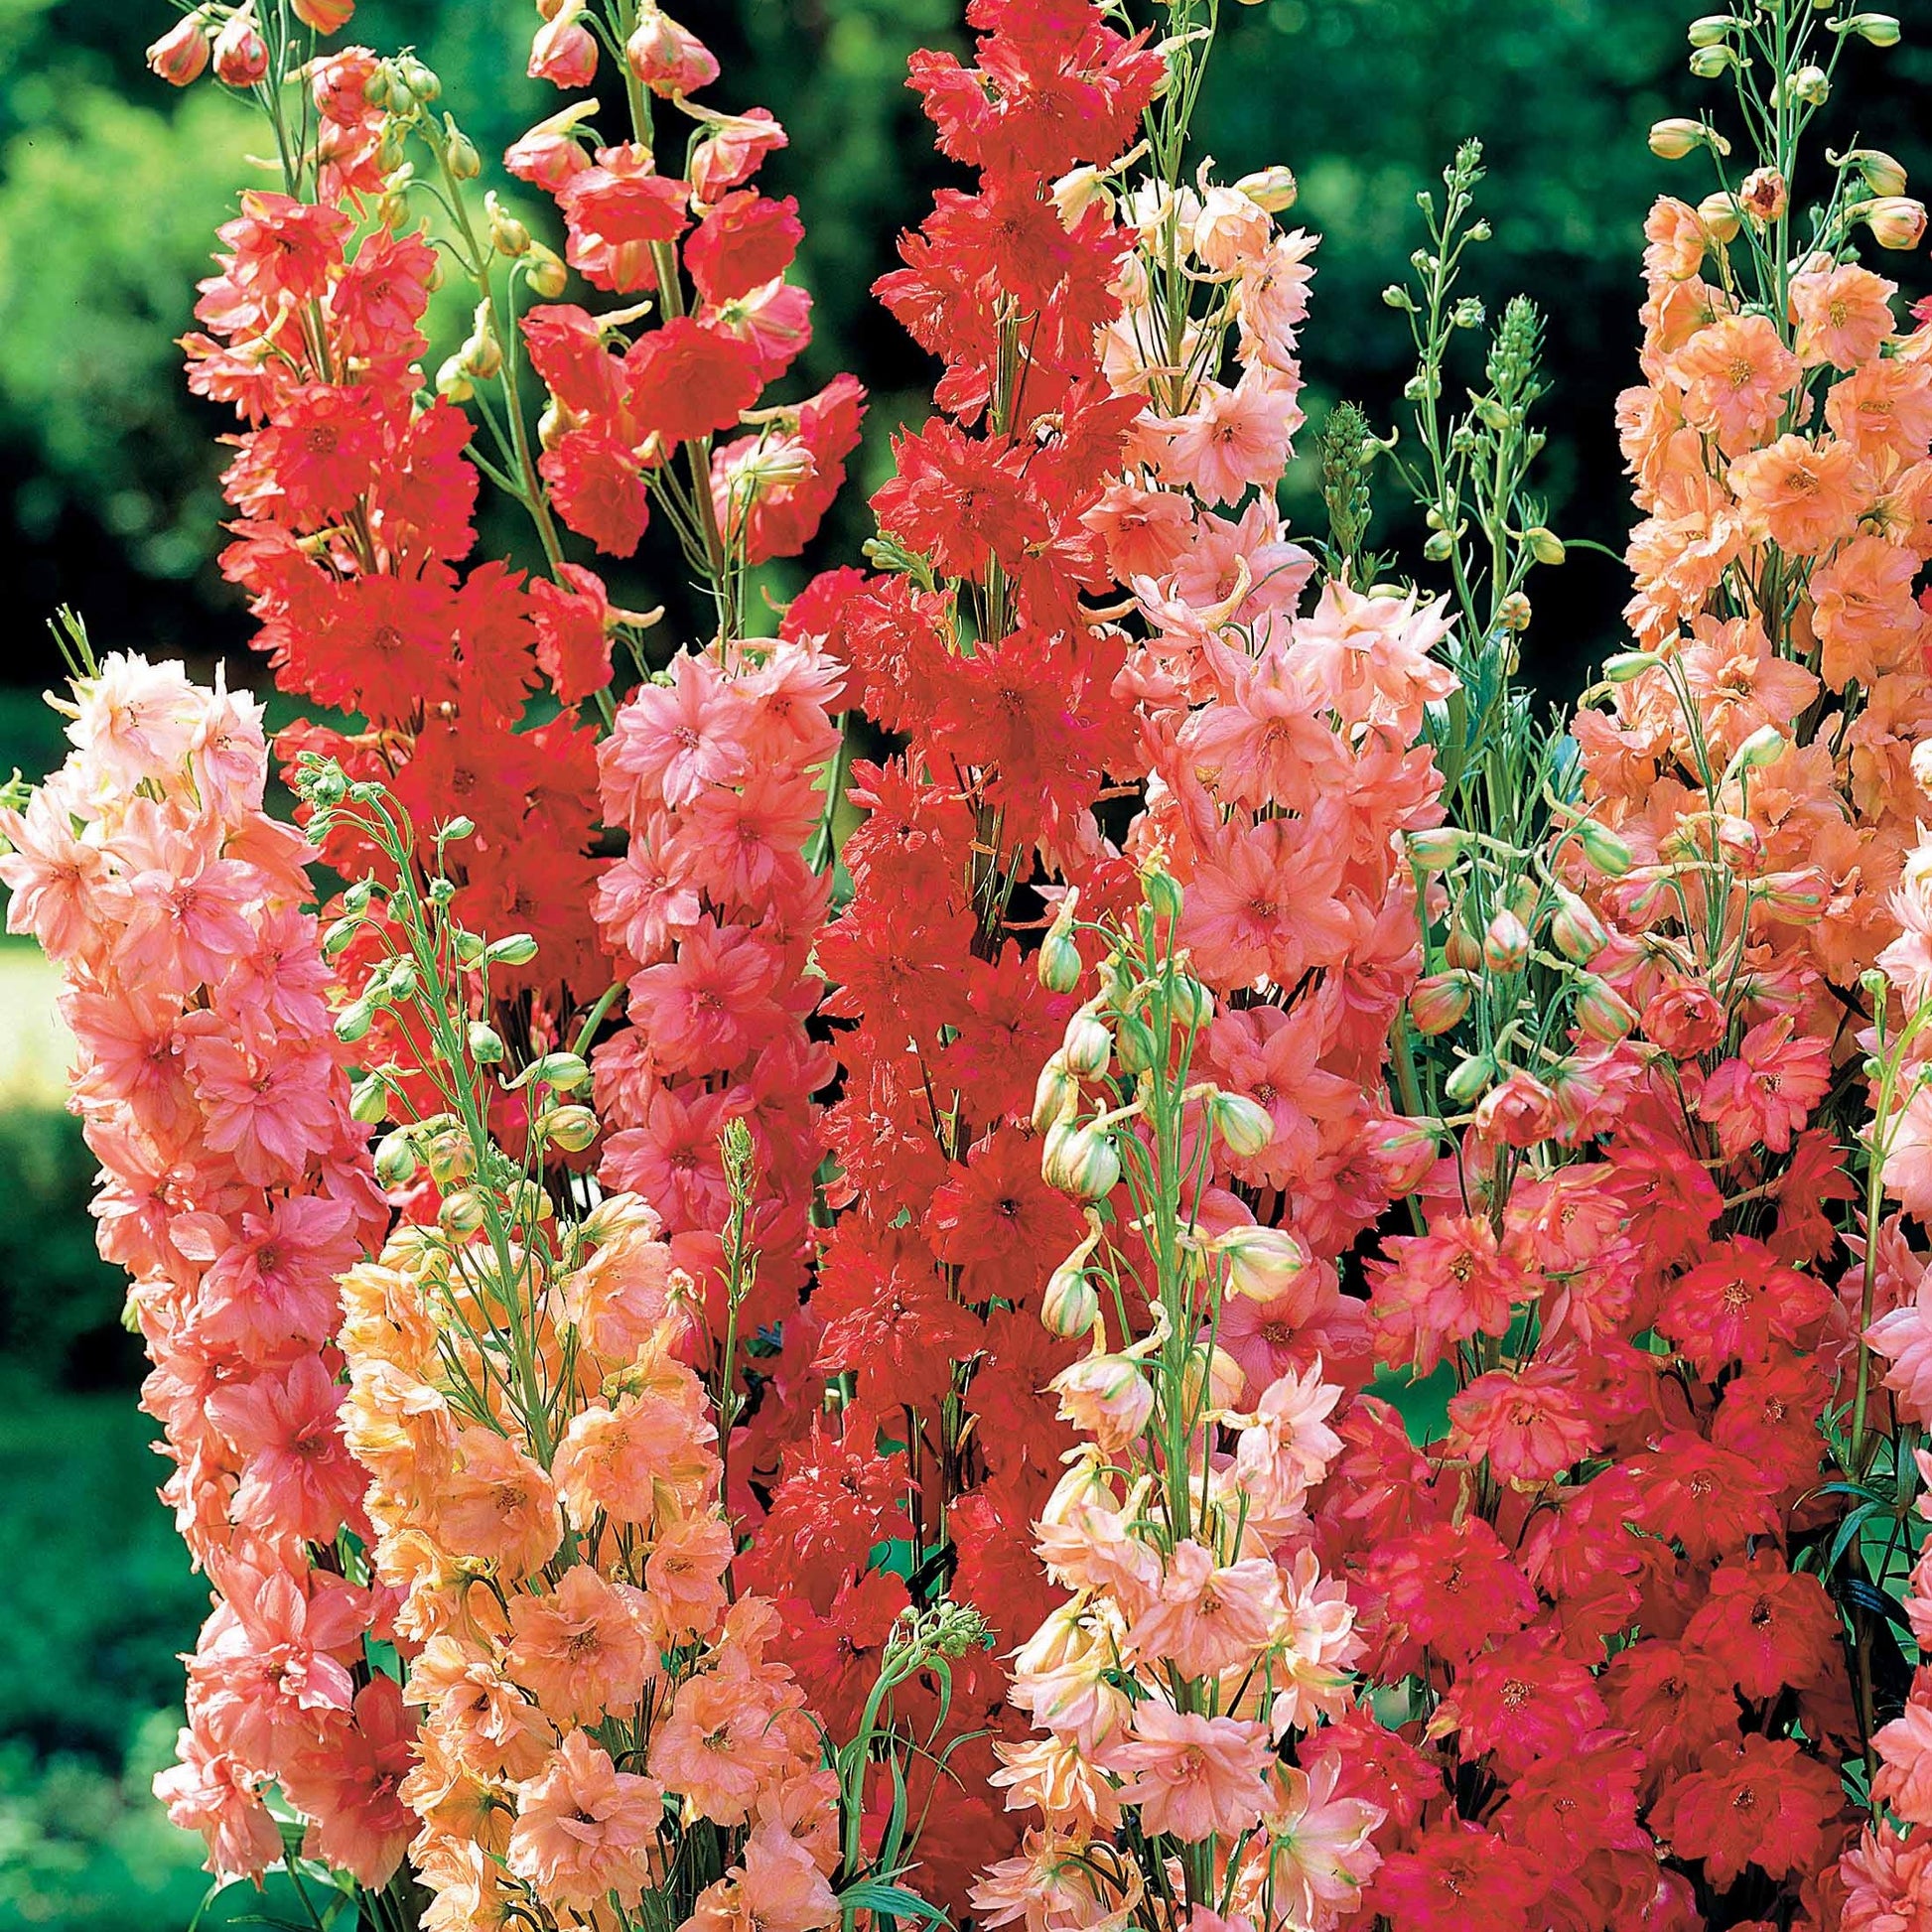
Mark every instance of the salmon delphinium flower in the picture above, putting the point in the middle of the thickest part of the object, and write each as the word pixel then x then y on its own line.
pixel 235 1186
pixel 1201 1644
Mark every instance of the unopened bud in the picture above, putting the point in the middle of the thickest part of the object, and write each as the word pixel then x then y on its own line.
pixel 368 1101
pixel 460 153
pixel 1262 1263
pixel 1057 1095
pixel 1708 63
pixel 571 1128
pixel 508 235
pixel 1069 1306
pixel 1162 892
pixel 1576 931
pixel 1603 849
pixel 1880 172
pixel 1088 1047
pixel 241 53
pixel 1273 189
pixel 1435 849
pixel 485 1044
pixel 1076 191
pixel 1763 746
pixel 1081 1161
pixel 462 1212
pixel 1625 666
pixel 395 1160
pixel 518 949
pixel 1438 1001
pixel 1672 140
pixel 562 1073
pixel 179 56
pixel 1602 1012
pixel 1545 545
pixel 1244 1124
pixel 544 271
pixel 1895 222
pixel 1713 30
pixel 1880 30
pixel 1721 215
pixel 1506 944
pixel 1513 614
pixel 1469 1079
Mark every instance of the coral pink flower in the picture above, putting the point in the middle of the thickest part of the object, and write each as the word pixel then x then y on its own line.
pixel 778 1888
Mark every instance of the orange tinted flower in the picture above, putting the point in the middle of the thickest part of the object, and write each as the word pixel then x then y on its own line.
pixel 1736 376
pixel 583 1652
pixel 1844 315
pixel 1802 496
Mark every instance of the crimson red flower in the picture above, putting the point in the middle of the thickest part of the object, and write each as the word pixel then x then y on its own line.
pixel 597 488
pixel 744 242
pixel 1000 1223
pixel 571 622
pixel 1453 1587
pixel 1768 1626
pixel 689 378
pixel 960 501
pixel 1758 1802
pixel 1457 1875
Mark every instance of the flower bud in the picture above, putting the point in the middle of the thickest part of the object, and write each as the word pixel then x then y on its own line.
pixel 395 1160
pixel 1059 963
pixel 1271 189
pixel 451 1156
pixel 564 53
pixel 1763 746
pixel 1262 1263
pixel 1626 666
pixel 1602 1011
pixel 1812 86
pixel 1134 1043
pixel 1057 1095
pixel 1468 1079
pixel 571 1128
pixel 1603 849
pixel 1244 1124
pixel 1713 30
pixel 1513 614
pixel 1081 1161
pixel 462 1212
pixel 1576 931
pixel 1545 545
pixel 1895 222
pixel 1162 892
pixel 354 1022
pixel 518 949
pixel 562 1073
pixel 544 272
pixel 1190 1003
pixel 1883 173
pixel 1672 140
pixel 1740 845
pixel 485 1044
pixel 1722 215
pixel 1506 944
pixel 1088 1047
pixel 1462 948
pixel 1880 30
pixel 460 154
pixel 241 53
pixel 368 1100
pixel 324 16
pixel 1070 1303
pixel 179 56
pixel 1708 63
pixel 1437 849
pixel 1440 1002
pixel 666 57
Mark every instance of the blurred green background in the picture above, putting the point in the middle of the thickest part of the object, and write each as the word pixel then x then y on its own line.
pixel 111 187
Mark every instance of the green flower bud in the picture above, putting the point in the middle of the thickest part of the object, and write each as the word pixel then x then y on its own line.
pixel 1244 1124
pixel 1603 849
pixel 395 1160
pixel 1469 1079
pixel 516 950
pixel 485 1044
pixel 571 1128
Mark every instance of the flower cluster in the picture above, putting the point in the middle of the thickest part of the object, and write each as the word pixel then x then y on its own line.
pixel 1200 1637
pixel 235 1188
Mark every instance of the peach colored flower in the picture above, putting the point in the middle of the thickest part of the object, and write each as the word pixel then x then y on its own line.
pixel 1191 1777
pixel 1801 495
pixel 719 1746
pixel 584 1651
pixel 685 1575
pixel 1844 315
pixel 1210 1618
pixel 1864 611
pixel 1736 376
pixel 584 1828
pixel 1320 1849
pixel 777 1889
pixel 498 1504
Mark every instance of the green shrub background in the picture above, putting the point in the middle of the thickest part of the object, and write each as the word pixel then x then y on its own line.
pixel 111 187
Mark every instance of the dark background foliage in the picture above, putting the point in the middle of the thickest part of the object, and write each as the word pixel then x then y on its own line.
pixel 111 187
